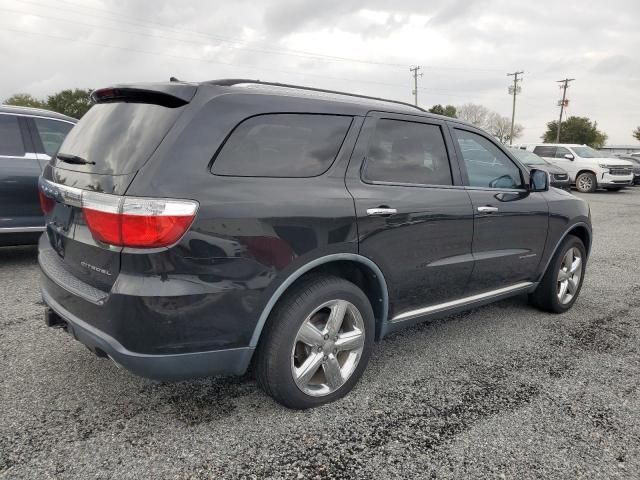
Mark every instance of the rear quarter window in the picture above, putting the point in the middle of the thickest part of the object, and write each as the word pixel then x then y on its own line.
pixel 11 144
pixel 543 151
pixel 52 133
pixel 282 145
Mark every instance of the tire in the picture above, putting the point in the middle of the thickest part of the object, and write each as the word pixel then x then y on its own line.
pixel 282 353
pixel 586 182
pixel 547 295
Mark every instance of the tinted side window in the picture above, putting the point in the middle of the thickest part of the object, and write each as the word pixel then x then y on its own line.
pixel 11 143
pixel 282 145
pixel 487 166
pixel 51 133
pixel 561 152
pixel 545 151
pixel 407 152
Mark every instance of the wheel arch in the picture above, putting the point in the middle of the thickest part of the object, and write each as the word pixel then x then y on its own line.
pixel 586 170
pixel 580 230
pixel 351 266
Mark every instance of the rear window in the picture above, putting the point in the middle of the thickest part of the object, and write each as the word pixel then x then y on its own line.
pixel 52 133
pixel 282 145
pixel 545 151
pixel 118 137
pixel 10 138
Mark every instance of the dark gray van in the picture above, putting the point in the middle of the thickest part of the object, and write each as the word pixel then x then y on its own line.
pixel 28 139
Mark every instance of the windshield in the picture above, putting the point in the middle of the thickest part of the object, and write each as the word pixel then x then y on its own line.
pixel 528 158
pixel 587 152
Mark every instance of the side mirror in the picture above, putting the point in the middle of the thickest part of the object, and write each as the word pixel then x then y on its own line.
pixel 539 180
pixel 568 156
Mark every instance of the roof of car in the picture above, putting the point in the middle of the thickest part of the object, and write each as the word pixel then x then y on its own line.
pixel 36 112
pixel 551 145
pixel 363 101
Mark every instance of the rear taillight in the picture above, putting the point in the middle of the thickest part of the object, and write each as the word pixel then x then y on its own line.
pixel 137 222
pixel 46 203
pixel 124 221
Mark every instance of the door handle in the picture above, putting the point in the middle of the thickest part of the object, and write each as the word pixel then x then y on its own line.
pixel 487 209
pixel 381 211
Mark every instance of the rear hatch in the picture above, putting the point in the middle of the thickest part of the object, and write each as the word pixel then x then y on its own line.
pixel 82 188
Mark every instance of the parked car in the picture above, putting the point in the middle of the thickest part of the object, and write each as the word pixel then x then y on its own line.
pixel 360 215
pixel 635 160
pixel 587 168
pixel 559 177
pixel 28 138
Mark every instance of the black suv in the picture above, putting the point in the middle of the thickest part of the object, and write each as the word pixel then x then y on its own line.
pixel 195 229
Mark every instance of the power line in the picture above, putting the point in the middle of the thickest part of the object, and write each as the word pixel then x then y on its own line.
pixel 563 103
pixel 414 71
pixel 514 90
pixel 230 64
pixel 238 44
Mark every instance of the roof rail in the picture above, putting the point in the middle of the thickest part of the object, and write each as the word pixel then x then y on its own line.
pixel 228 82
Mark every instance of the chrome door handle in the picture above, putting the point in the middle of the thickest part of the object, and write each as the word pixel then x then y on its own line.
pixel 487 209
pixel 381 211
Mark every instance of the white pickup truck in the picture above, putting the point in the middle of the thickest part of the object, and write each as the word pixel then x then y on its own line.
pixel 587 168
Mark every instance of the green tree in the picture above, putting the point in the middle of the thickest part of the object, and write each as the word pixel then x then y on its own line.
pixel 636 133
pixel 447 111
pixel 74 103
pixel 25 100
pixel 576 130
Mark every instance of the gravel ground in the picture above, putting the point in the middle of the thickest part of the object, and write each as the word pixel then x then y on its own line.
pixel 503 391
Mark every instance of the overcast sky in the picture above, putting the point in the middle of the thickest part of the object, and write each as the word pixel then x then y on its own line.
pixel 465 48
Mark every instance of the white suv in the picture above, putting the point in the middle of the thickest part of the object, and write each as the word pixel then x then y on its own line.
pixel 587 168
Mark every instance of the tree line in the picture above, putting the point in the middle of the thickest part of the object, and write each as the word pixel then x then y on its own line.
pixel 574 129
pixel 76 102
pixel 73 103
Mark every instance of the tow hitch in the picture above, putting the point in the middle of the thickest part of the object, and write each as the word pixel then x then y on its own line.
pixel 52 319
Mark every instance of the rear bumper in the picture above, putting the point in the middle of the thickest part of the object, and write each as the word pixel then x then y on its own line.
pixel 166 367
pixel 156 333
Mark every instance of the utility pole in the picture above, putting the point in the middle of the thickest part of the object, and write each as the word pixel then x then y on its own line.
pixel 563 103
pixel 414 71
pixel 514 90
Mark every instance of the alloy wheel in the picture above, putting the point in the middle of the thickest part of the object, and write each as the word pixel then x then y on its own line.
pixel 569 275
pixel 585 183
pixel 327 348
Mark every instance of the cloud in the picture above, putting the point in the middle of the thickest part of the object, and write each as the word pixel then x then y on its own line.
pixel 465 47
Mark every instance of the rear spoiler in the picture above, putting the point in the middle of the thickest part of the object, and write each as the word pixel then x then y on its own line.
pixel 172 95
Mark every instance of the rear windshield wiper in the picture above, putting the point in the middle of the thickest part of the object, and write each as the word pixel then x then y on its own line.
pixel 73 159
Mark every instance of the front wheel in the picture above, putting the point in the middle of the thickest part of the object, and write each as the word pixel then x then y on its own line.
pixel 561 283
pixel 317 342
pixel 586 182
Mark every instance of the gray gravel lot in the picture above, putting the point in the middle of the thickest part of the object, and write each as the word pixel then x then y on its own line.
pixel 503 391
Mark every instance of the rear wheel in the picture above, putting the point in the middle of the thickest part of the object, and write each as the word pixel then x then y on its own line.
pixel 317 343
pixel 586 182
pixel 561 284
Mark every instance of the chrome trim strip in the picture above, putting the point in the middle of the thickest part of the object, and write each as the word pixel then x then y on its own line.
pixel 21 229
pixel 63 193
pixel 459 302
pixel 28 115
pixel 26 156
pixel 309 266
